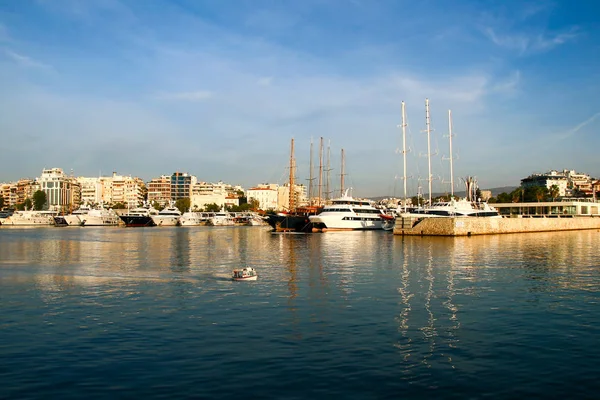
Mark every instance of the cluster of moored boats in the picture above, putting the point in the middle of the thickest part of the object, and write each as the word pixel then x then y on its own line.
pixel 136 217
pixel 348 213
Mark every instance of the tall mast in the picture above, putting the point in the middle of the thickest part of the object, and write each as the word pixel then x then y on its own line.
pixel 427 122
pixel 292 196
pixel 404 149
pixel 451 156
pixel 342 176
pixel 320 171
pixel 328 180
pixel 310 179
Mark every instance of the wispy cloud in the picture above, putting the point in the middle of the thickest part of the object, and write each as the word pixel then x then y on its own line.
pixel 25 61
pixel 199 95
pixel 525 43
pixel 578 127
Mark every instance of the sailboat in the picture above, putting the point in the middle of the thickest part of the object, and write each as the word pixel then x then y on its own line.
pixel 296 218
pixel 469 206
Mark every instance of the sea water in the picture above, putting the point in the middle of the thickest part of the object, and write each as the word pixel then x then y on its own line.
pixel 152 313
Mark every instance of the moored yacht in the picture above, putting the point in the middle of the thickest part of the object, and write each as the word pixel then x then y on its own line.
pixel 222 218
pixel 139 216
pixel 30 217
pixel 347 213
pixel 76 218
pixel 169 216
pixel 100 216
pixel 191 218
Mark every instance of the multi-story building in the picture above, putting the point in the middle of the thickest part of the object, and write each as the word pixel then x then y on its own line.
pixel 578 182
pixel 62 191
pixel 548 180
pixel 159 190
pixel 265 194
pixel 8 191
pixel 127 190
pixel 25 189
pixel 283 196
pixel 204 193
pixel 181 185
pixel 91 190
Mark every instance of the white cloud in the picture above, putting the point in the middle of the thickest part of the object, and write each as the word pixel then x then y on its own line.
pixel 25 61
pixel 525 43
pixel 578 127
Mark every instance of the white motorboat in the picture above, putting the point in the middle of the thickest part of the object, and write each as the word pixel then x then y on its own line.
pixel 169 216
pixel 100 216
pixel 221 218
pixel 30 217
pixel 347 213
pixel 244 274
pixel 191 218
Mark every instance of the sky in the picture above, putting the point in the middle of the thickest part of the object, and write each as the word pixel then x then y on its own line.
pixel 219 88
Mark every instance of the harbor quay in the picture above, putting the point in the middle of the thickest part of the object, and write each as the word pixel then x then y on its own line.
pixel 467 226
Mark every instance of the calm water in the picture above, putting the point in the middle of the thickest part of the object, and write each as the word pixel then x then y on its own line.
pixel 151 313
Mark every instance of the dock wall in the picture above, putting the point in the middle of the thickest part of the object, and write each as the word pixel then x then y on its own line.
pixel 467 226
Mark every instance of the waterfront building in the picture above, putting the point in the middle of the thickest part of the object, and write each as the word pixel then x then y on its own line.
pixel 265 194
pixel 547 180
pixel 283 196
pixel 9 194
pixel 127 190
pixel 62 191
pixel 579 207
pixel 159 190
pixel 181 185
pixel 91 190
pixel 204 193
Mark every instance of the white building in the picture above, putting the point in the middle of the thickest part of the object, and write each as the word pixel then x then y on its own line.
pixel 548 180
pixel 265 194
pixel 91 190
pixel 283 196
pixel 62 191
pixel 127 190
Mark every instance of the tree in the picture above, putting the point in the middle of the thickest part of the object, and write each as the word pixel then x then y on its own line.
pixel 183 204
pixel 39 200
pixel 254 204
pixel 1 202
pixel 27 204
pixel 554 192
pixel 213 207
pixel 118 206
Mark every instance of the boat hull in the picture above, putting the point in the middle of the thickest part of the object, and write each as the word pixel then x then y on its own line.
pixel 249 278
pixel 290 223
pixel 137 220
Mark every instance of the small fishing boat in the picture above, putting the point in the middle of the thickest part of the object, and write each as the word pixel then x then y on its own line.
pixel 244 274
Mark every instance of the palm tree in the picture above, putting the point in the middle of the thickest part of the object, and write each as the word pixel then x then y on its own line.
pixel 554 192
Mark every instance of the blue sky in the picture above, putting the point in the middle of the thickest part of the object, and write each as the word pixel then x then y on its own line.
pixel 218 88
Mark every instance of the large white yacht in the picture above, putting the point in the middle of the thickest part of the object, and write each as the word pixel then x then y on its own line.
pixel 100 216
pixel 30 217
pixel 453 208
pixel 169 216
pixel 191 218
pixel 347 213
pixel 76 218
pixel 221 218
